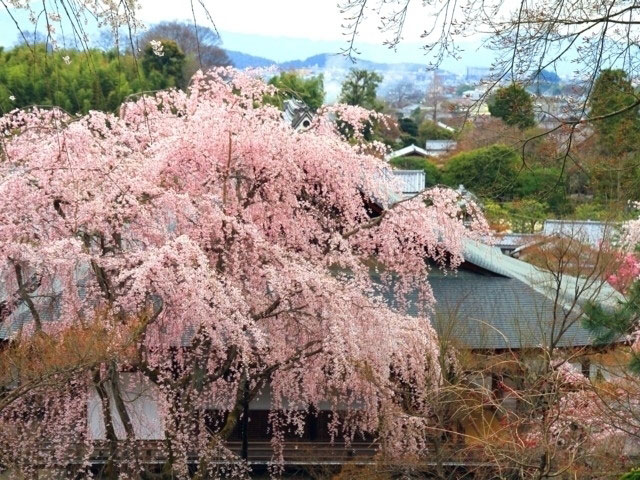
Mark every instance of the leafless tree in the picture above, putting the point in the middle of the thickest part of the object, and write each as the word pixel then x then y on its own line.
pixel 527 37
pixel 200 44
pixel 435 95
pixel 403 93
pixel 529 411
pixel 69 24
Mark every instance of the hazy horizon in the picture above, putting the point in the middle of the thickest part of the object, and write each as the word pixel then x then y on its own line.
pixel 290 35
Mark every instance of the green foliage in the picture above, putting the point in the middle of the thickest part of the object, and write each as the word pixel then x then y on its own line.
pixel 612 92
pixel 607 325
pixel 429 130
pixel 526 214
pixel 417 114
pixel 200 45
pixel 92 80
pixel 634 366
pixel 292 85
pixel 514 106
pixel 632 475
pixel 433 176
pixel 519 215
pixel 591 211
pixel 360 88
pixel 460 89
pixel 408 131
pixel 615 175
pixel 488 172
pixel 495 213
pixel 538 180
pixel 408 125
pixel 544 184
pixel 165 70
pixel 406 140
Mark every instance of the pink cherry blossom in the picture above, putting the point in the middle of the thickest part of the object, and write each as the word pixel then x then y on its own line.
pixel 236 250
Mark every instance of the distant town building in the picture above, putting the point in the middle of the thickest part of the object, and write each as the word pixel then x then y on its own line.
pixel 413 150
pixel 471 101
pixel 511 243
pixel 446 127
pixel 409 109
pixel 475 94
pixel 477 74
pixel 411 182
pixel 436 148
pixel 551 111
pixel 590 232
pixel 297 114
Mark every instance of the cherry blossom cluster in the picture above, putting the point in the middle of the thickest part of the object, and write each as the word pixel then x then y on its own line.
pixel 238 252
pixel 111 14
pixel 157 48
pixel 626 273
pixel 583 421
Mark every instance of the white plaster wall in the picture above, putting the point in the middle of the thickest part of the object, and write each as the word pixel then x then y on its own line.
pixel 139 397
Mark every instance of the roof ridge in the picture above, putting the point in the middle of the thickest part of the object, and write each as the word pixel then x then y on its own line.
pixel 542 281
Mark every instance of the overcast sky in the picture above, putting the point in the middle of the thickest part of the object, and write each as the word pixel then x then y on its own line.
pixel 310 19
pixel 289 29
pixel 292 29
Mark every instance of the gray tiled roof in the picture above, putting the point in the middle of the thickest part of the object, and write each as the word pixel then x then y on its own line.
pixel 497 312
pixel 508 303
pixel 295 112
pixel 588 231
pixel 491 259
pixel 412 181
pixel 511 241
pixel 439 145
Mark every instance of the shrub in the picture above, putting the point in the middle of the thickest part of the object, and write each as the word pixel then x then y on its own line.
pixel 433 176
pixel 632 475
pixel 488 172
pixel 432 131
pixel 514 106
pixel 545 184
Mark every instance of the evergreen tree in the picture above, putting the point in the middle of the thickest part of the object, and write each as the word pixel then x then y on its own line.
pixel 360 88
pixel 609 325
pixel 514 106
pixel 613 92
pixel 165 65
pixel 429 130
pixel 292 85
pixel 488 172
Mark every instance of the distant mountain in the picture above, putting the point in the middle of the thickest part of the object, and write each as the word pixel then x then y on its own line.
pixel 324 60
pixel 244 60
pixel 321 61
pixel 548 76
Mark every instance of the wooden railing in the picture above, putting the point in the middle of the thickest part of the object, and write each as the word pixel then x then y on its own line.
pixel 260 452
pixel 296 453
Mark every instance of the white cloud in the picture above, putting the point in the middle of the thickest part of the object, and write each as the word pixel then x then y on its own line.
pixel 290 29
pixel 292 18
pixel 311 19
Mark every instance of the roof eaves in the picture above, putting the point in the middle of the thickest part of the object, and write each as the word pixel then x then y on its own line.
pixel 543 282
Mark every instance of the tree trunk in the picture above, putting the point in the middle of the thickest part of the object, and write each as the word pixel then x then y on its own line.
pixel 125 418
pixel 109 471
pixel 244 426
